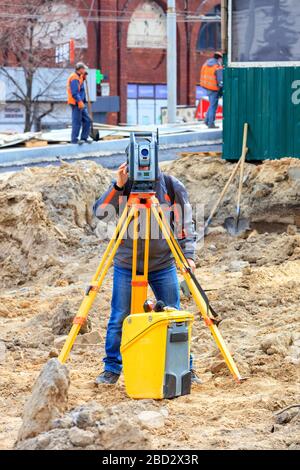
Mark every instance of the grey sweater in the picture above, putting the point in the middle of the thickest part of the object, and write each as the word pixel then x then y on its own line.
pixel 160 256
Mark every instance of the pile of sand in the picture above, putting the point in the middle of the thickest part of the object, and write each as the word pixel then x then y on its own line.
pixel 270 194
pixel 44 213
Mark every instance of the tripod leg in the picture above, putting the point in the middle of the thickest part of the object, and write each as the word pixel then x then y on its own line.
pixel 180 261
pixel 97 281
pixel 140 282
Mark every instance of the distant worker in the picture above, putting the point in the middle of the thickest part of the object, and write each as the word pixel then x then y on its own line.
pixel 211 79
pixel 77 101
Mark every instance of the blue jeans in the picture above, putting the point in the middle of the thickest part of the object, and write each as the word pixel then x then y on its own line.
pixel 164 284
pixel 80 117
pixel 213 106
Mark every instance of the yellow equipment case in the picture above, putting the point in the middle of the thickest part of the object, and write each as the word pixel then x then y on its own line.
pixel 156 354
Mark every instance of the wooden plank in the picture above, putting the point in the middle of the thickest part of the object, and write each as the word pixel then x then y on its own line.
pixel 200 154
pixel 113 137
pixel 36 143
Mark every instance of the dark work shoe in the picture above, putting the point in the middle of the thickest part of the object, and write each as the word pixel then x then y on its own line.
pixel 195 378
pixel 108 378
pixel 213 126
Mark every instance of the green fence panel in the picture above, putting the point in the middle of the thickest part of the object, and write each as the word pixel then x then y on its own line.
pixel 268 98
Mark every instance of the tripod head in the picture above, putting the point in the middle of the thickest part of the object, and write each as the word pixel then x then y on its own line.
pixel 142 160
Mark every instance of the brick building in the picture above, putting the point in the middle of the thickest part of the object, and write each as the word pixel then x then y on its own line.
pixel 133 52
pixel 127 40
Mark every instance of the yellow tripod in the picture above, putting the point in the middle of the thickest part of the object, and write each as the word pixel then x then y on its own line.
pixel 138 202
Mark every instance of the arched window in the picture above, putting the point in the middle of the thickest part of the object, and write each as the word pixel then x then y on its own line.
pixel 148 27
pixel 209 37
pixel 58 24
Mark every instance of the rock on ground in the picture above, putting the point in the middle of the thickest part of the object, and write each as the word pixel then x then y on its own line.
pixel 63 317
pixel 152 419
pixel 93 427
pixel 80 437
pixel 276 344
pixel 48 400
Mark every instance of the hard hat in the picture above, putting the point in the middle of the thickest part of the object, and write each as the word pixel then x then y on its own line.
pixel 81 65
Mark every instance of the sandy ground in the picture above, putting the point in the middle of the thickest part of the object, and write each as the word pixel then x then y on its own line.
pixel 252 281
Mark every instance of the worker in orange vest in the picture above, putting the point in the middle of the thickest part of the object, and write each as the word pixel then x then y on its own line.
pixel 211 79
pixel 77 101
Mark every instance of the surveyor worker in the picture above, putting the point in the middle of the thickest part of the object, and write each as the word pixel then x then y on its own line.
pixel 171 193
pixel 77 101
pixel 211 78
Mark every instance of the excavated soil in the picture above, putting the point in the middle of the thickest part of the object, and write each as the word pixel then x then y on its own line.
pixel 49 252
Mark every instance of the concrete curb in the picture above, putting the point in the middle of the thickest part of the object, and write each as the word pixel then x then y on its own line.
pixel 21 155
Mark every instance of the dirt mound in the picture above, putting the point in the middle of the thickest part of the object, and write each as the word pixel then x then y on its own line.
pixel 45 212
pixel 270 195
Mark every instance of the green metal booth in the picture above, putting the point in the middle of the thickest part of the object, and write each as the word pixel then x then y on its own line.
pixel 262 79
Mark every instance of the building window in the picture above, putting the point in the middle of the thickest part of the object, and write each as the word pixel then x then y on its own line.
pixel 147 27
pixel 62 53
pixel 209 37
pixel 145 103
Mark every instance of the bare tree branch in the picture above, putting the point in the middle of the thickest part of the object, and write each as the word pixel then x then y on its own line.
pixel 29 34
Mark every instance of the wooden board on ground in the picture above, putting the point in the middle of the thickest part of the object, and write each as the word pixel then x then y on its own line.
pixel 36 143
pixel 113 137
pixel 200 154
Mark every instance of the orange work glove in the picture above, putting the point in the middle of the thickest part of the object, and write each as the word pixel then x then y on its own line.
pixel 80 104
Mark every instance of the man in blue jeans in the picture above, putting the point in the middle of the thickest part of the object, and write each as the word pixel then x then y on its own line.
pixel 77 101
pixel 211 79
pixel 162 270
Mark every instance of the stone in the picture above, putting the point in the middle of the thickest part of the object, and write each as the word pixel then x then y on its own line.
pixel 2 352
pixel 56 439
pixel 213 248
pixel 53 353
pixel 63 423
pixel 292 230
pixel 88 415
pixel 294 173
pixel 47 401
pixel 284 417
pixel 60 341
pixel 217 366
pixel 89 338
pixel 43 440
pixel 151 419
pixel 238 265
pixel 80 437
pixel 261 190
pixel 253 234
pixel 219 229
pixel 276 344
pixel 164 411
pixel 63 317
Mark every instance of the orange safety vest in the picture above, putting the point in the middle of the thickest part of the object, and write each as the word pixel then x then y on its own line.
pixel 208 78
pixel 73 76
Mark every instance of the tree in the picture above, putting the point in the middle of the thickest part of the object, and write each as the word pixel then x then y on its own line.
pixel 29 35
